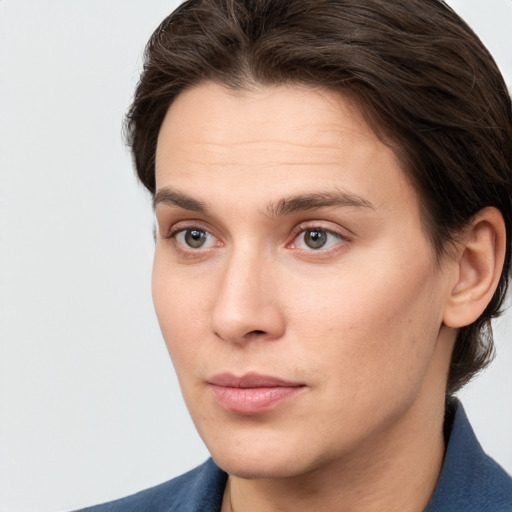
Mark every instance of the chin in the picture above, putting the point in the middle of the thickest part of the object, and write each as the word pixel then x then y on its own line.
pixel 263 456
pixel 262 466
pixel 252 448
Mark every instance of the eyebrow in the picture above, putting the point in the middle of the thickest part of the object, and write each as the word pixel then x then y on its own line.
pixel 284 206
pixel 173 197
pixel 315 200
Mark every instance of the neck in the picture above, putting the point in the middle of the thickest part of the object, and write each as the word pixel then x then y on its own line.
pixel 398 470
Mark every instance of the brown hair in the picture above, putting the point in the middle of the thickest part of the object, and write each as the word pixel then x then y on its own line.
pixel 422 78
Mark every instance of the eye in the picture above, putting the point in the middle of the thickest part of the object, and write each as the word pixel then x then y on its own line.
pixel 194 238
pixel 317 238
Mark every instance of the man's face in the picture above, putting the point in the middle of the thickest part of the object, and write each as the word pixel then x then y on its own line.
pixel 296 290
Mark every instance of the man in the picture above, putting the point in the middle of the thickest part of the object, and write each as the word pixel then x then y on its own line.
pixel 332 189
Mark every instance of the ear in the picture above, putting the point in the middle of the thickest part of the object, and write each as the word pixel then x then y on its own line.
pixel 479 260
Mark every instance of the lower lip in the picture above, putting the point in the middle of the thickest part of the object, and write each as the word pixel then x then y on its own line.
pixel 253 400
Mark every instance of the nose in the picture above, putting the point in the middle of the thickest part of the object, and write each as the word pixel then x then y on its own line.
pixel 247 305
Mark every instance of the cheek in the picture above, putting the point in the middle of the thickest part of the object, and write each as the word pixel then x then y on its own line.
pixel 363 325
pixel 181 308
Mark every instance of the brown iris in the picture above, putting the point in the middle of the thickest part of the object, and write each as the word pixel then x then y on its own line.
pixel 315 238
pixel 195 238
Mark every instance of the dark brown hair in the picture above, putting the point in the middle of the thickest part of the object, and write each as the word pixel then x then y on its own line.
pixel 424 81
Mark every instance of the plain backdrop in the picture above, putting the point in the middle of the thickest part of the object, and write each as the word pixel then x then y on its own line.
pixel 90 409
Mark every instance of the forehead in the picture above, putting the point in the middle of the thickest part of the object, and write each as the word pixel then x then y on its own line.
pixel 305 119
pixel 273 141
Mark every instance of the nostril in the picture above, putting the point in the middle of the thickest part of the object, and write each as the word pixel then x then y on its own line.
pixel 257 331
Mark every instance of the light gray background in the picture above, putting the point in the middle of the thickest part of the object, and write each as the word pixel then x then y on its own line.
pixel 89 407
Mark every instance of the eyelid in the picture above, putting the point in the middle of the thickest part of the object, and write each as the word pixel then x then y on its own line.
pixel 176 233
pixel 337 232
pixel 343 233
pixel 183 225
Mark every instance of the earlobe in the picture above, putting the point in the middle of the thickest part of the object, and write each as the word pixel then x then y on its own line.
pixel 480 257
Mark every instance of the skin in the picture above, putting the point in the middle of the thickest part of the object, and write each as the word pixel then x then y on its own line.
pixel 357 322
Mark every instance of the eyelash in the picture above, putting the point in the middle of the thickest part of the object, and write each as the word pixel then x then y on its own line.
pixel 302 229
pixel 299 231
pixel 179 228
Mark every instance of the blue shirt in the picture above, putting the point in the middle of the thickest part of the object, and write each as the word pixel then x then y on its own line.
pixel 470 481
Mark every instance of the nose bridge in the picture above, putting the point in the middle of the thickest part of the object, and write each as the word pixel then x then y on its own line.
pixel 245 305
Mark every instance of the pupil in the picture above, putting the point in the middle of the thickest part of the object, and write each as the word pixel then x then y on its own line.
pixel 315 238
pixel 195 238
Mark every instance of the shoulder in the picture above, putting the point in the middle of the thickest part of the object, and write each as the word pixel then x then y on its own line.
pixel 470 479
pixel 199 489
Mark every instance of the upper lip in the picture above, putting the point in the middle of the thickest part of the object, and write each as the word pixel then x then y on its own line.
pixel 250 380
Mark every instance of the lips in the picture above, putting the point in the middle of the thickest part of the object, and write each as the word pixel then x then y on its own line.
pixel 252 393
